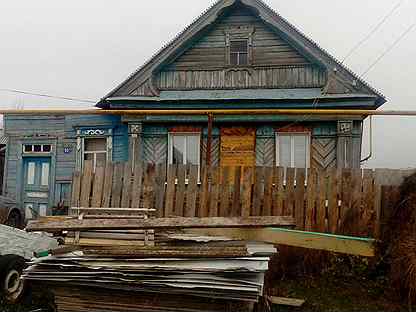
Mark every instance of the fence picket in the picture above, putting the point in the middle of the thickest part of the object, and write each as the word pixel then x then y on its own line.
pixel 236 208
pixel 192 191
pixel 258 191
pixel 160 178
pixel 214 194
pixel 268 188
pixel 310 200
pixel 180 190
pixel 290 192
pixel 97 192
pixel 170 191
pixel 333 207
pixel 346 201
pixel 225 210
pixel 108 185
pixel 278 191
pixel 127 187
pixel 117 185
pixel 86 184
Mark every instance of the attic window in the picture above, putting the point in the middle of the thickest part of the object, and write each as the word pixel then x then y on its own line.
pixel 239 52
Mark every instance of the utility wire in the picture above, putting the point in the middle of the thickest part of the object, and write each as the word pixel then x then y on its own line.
pixel 391 47
pixel 48 96
pixel 373 31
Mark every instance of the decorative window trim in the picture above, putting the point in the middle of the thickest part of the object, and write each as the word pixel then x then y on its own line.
pixel 170 145
pixel 292 152
pixel 239 33
pixel 43 146
pixel 93 133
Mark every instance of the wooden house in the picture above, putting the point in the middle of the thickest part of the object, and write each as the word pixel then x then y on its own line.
pixel 239 54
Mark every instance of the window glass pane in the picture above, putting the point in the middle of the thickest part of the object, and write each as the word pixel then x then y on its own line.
pixel 192 150
pixel 28 148
pixel 239 46
pixel 92 145
pixel 89 156
pixel 101 158
pixel 42 210
pixel 234 59
pixel 243 59
pixel 31 166
pixel 284 149
pixel 46 148
pixel 179 142
pixel 37 148
pixel 29 211
pixel 45 174
pixel 299 142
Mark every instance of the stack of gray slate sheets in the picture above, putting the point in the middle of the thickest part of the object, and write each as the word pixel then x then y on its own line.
pixel 194 277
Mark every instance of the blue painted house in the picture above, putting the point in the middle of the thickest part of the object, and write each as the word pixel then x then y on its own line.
pixel 239 54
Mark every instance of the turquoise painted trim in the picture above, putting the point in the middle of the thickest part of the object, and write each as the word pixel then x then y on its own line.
pixel 20 169
pixel 240 118
pixel 236 104
pixel 342 237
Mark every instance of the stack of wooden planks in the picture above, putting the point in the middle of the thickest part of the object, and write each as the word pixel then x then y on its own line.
pixel 184 273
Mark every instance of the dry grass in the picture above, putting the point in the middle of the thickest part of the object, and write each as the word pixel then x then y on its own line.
pixel 402 242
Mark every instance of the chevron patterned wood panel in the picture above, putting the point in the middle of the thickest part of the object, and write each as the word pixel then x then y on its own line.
pixel 324 153
pixel 155 149
pixel 265 152
pixel 215 151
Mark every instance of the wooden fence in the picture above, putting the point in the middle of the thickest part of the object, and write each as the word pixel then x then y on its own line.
pixel 347 201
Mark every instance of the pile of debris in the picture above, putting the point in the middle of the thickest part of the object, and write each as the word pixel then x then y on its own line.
pixel 182 272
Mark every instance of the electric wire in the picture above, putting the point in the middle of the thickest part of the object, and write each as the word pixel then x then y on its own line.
pixel 389 49
pixel 48 95
pixel 373 31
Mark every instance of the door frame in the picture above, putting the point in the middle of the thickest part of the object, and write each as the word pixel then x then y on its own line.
pixel 20 170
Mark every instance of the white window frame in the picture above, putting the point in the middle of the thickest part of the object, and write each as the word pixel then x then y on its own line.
pixel 84 152
pixel 292 147
pixel 239 53
pixel 170 146
pixel 33 147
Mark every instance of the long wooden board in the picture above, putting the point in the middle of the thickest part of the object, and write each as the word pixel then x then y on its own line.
pixel 72 224
pixel 310 240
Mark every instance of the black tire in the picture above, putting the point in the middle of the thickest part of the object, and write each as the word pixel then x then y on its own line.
pixel 11 285
pixel 14 219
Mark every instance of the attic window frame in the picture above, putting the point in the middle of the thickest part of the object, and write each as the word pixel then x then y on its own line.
pixel 239 53
pixel 239 33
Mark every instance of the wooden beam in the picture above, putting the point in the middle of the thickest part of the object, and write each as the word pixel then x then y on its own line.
pixel 286 301
pixel 168 251
pixel 310 240
pixel 55 225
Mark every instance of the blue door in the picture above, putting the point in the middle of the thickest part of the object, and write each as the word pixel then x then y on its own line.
pixel 36 186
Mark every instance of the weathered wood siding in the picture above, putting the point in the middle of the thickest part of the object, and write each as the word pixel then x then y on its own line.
pixel 60 131
pixel 269 49
pixel 284 77
pixel 275 63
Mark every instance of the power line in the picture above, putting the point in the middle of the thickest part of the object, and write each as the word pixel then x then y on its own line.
pixel 391 47
pixel 48 96
pixel 373 31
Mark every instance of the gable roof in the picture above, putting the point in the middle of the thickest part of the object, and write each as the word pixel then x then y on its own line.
pixel 288 31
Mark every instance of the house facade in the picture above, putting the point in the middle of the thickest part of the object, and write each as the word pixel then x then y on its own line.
pixel 238 55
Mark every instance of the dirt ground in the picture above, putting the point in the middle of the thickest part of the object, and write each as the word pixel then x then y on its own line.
pixel 328 293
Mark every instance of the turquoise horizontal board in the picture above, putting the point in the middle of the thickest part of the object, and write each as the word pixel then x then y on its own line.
pixel 247 104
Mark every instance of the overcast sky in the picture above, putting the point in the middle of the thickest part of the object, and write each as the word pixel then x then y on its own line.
pixel 84 48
